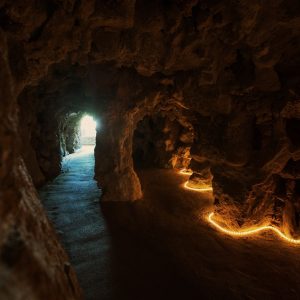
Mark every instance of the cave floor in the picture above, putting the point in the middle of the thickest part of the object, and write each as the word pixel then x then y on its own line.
pixel 110 264
pixel 162 248
pixel 220 266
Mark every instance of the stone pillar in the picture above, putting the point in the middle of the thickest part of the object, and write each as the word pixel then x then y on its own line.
pixel 288 214
pixel 113 153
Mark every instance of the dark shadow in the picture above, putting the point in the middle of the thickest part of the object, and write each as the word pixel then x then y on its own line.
pixel 141 266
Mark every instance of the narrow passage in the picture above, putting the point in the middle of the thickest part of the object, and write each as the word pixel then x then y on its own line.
pixel 109 266
pixel 72 203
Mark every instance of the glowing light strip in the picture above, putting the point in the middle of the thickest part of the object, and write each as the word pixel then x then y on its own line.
pixel 206 189
pixel 185 172
pixel 250 231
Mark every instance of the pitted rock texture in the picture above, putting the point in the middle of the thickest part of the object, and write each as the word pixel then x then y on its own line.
pixel 162 141
pixel 33 265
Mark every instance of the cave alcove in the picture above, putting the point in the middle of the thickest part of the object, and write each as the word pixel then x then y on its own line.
pixel 161 142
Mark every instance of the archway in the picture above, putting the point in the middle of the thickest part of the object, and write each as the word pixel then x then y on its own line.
pixel 162 141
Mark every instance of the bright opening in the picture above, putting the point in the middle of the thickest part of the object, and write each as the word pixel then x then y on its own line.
pixel 88 130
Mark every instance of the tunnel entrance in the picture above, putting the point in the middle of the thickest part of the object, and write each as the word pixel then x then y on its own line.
pixel 88 131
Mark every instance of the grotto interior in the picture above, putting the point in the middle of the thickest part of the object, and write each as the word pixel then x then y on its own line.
pixel 189 186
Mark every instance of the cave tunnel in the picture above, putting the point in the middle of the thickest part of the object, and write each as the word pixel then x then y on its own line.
pixel 88 129
pixel 149 149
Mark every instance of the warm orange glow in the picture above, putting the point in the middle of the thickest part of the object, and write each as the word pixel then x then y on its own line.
pixel 200 189
pixel 250 231
pixel 186 172
pixel 239 233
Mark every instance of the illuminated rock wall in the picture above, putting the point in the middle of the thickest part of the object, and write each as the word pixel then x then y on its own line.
pixel 162 141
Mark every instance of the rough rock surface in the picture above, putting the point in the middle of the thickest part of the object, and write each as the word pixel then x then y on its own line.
pixel 230 68
pixel 162 141
pixel 31 259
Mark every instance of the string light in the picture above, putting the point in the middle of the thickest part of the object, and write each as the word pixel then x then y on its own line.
pixel 202 189
pixel 237 233
pixel 185 172
pixel 250 231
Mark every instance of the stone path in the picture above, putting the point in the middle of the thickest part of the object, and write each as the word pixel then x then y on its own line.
pixel 72 203
pixel 109 266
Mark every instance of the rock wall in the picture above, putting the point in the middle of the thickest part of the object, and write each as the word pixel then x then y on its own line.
pixel 33 265
pixel 48 133
pixel 232 65
pixel 161 141
pixel 70 133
